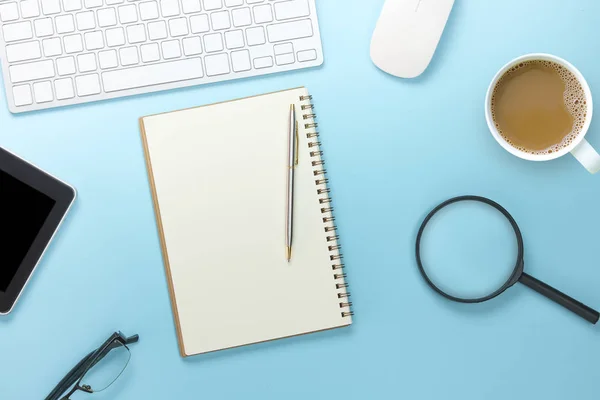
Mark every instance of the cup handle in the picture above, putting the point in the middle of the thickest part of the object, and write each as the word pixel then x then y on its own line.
pixel 587 156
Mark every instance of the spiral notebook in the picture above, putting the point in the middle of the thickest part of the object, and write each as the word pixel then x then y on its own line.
pixel 218 178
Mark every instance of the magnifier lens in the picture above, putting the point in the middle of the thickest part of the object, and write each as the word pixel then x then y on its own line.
pixel 469 250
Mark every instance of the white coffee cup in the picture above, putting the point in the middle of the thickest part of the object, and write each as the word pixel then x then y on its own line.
pixel 579 147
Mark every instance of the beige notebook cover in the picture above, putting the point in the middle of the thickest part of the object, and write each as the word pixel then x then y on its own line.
pixel 218 176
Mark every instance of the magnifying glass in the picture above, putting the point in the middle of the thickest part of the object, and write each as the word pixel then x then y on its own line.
pixel 470 249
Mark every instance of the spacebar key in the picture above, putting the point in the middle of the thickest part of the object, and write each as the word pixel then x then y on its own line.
pixel 154 74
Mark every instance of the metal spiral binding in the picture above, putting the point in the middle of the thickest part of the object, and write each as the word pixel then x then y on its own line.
pixel 321 181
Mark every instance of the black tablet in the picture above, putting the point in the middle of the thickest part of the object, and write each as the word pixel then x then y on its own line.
pixel 32 206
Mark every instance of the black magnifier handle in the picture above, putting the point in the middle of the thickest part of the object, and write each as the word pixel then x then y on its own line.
pixel 559 297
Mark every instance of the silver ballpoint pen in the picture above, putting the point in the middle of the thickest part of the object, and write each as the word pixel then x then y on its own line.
pixel 292 161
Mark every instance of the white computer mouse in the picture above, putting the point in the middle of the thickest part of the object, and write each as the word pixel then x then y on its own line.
pixel 407 34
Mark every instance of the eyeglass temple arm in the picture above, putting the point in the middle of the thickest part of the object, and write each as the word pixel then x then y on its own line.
pixel 69 379
pixel 131 339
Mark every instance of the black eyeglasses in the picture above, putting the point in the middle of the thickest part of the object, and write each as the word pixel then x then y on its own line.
pixel 98 370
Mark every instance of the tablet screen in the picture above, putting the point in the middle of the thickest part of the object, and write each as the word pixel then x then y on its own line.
pixel 23 211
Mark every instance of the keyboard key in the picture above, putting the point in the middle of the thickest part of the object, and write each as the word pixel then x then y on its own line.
pixel 71 5
pixel 157 30
pixel 129 56
pixel 73 44
pixel 263 62
pixel 87 85
pixel 86 62
pixel 114 2
pixel 136 33
pixel 153 74
pixel 307 55
pixel 50 7
pixel 43 27
pixel 255 36
pixel 115 37
pixel 52 47
pixel 178 27
pixel 23 51
pixel 22 95
pixel 64 24
pixel 212 43
pixel 220 20
pixel 148 10
pixel 210 5
pixel 234 39
pixel 93 3
pixel 217 64
pixel 285 59
pixel 43 92
pixel 30 9
pixel 171 49
pixel 94 40
pixel 254 1
pixel 9 12
pixel 192 46
pixel 241 17
pixel 240 60
pixel 107 17
pixel 199 23
pixel 169 8
pixel 65 66
pixel 128 14
pixel 31 71
pixel 108 59
pixel 85 20
pixel 64 89
pixel 263 14
pixel 291 9
pixel 17 31
pixel 290 30
pixel 150 52
pixel 234 3
pixel 190 6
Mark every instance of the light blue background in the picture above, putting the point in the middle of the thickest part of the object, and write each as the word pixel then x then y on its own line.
pixel 394 148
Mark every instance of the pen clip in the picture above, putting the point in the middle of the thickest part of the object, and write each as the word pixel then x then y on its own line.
pixel 297 144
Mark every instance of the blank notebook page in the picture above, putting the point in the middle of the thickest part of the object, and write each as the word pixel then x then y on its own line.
pixel 218 175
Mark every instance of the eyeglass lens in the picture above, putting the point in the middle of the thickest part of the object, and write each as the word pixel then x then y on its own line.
pixel 106 371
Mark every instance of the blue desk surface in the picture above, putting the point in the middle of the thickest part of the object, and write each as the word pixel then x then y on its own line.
pixel 394 148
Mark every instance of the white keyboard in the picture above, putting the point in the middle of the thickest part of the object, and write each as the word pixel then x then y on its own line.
pixel 63 52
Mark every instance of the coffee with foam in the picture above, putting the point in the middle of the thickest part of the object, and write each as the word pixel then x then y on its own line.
pixel 539 107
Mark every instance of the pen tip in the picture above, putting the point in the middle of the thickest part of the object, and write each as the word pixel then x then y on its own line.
pixel 288 253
